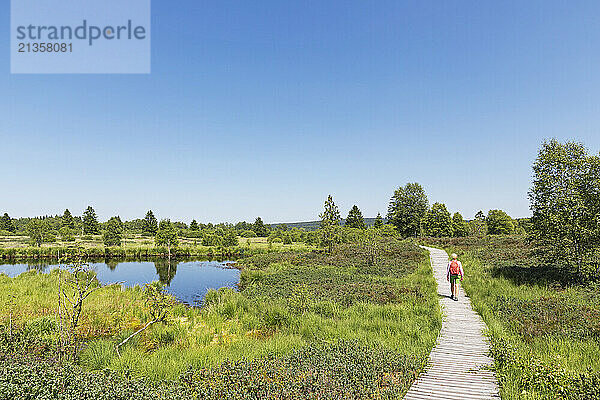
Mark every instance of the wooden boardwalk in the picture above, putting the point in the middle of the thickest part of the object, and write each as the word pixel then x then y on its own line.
pixel 457 363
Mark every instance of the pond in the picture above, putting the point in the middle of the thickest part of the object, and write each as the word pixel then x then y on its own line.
pixel 188 281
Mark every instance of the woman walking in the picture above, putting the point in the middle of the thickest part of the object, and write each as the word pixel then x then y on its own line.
pixel 454 271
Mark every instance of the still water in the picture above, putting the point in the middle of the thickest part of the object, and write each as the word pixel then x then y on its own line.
pixel 187 281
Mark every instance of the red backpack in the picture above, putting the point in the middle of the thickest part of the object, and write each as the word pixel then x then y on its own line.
pixel 454 268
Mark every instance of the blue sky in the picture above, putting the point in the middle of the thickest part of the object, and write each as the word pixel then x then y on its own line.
pixel 265 109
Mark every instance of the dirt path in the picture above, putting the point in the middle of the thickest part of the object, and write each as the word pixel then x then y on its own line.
pixel 457 362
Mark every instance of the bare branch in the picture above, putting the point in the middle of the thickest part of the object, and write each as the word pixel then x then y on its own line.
pixel 135 333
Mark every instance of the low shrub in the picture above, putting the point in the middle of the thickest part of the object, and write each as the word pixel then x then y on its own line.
pixel 345 370
pixel 345 276
pixel 549 316
pixel 336 371
pixel 25 378
pixel 193 234
pixel 539 380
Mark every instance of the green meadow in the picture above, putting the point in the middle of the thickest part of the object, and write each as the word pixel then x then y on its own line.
pixel 377 307
pixel 136 246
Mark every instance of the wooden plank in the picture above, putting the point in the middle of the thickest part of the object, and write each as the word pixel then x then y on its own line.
pixel 459 363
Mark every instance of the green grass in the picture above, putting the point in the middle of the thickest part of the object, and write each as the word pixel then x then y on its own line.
pixel 545 333
pixel 137 247
pixel 133 241
pixel 288 302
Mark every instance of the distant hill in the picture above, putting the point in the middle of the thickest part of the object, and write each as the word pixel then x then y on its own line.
pixel 312 225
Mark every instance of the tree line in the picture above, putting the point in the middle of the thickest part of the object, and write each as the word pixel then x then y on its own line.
pixel 564 228
pixel 408 215
pixel 65 227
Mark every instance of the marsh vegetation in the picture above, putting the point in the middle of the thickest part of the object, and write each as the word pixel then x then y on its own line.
pixel 297 322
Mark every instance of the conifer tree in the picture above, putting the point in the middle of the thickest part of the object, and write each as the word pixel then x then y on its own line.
pixel 194 225
pixel 478 226
pixel 259 227
pixel 7 224
pixel 90 222
pixel 67 220
pixel 378 221
pixel 330 219
pixel 331 213
pixel 150 223
pixel 355 219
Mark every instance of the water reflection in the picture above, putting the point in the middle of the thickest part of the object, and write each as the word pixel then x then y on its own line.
pixel 188 281
pixel 112 264
pixel 166 271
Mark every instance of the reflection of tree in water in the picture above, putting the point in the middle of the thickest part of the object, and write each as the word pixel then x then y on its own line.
pixel 166 270
pixel 112 265
pixel 38 267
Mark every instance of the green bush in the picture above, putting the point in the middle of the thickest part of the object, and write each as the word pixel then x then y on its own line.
pixel 24 378
pixel 388 230
pixel 499 223
pixel 230 238
pixel 193 234
pixel 345 370
pixel 212 240
pixel 66 235
pixel 549 317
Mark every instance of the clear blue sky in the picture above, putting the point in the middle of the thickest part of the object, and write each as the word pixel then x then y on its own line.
pixel 264 108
